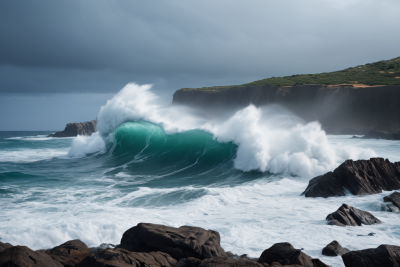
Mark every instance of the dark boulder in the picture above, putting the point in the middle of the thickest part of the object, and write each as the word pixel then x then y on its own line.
pixel 218 262
pixel 122 258
pixel 394 198
pixel 77 128
pixel 361 177
pixel 20 256
pixel 334 249
pixel 351 216
pixel 70 253
pixel 286 254
pixel 182 242
pixel 390 208
pixel 382 256
pixel 3 246
pixel 188 262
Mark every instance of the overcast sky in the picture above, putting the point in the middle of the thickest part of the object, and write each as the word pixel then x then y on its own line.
pixel 61 60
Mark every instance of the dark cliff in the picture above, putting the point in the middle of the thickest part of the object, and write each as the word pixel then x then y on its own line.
pixel 336 107
pixel 75 129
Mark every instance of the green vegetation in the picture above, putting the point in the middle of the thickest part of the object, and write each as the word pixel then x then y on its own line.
pixel 383 72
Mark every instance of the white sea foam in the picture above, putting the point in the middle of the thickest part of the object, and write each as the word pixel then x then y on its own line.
pixel 269 138
pixel 32 155
pixel 250 217
pixel 83 145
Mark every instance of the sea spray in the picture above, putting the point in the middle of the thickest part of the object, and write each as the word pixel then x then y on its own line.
pixel 268 139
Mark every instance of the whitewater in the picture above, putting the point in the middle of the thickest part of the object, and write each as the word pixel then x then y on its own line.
pixel 240 173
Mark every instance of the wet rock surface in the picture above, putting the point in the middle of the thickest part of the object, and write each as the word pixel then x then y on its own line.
pixel 77 128
pixel 69 253
pixel 361 177
pixel 394 198
pixel 286 254
pixel 182 242
pixel 3 246
pixel 120 258
pixel 351 216
pixel 21 256
pixel 334 249
pixel 384 255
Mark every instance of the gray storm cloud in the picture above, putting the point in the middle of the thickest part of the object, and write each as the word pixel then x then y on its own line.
pixel 95 46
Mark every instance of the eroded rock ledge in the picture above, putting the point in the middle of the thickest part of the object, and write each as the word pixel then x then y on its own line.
pixel 77 128
pixel 361 177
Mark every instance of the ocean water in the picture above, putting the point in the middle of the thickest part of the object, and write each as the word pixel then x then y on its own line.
pixel 241 174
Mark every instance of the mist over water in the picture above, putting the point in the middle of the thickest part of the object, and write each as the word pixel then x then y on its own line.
pixel 239 173
pixel 269 139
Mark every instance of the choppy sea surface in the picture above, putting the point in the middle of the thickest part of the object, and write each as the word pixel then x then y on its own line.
pixel 242 176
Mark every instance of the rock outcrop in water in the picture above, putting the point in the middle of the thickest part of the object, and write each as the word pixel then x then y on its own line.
pixel 361 177
pixel 286 254
pixel 350 216
pixel 334 249
pixel 77 128
pixel 69 253
pixel 182 242
pixel 394 205
pixel 384 255
pixel 341 109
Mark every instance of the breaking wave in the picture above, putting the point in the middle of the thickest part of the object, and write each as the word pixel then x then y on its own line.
pixel 135 126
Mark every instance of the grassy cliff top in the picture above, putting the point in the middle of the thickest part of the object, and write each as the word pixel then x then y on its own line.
pixel 385 72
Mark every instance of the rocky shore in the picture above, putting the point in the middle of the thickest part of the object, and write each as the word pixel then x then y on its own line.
pixel 153 245
pixel 77 128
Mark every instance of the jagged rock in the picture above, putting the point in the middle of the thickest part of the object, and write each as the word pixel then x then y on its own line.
pixel 334 249
pixel 122 258
pixel 286 254
pixel 182 242
pixel 3 246
pixel 361 177
pixel 336 222
pixel 394 198
pixel 20 256
pixel 351 216
pixel 382 256
pixel 77 128
pixel 219 262
pixel 70 253
pixel 188 262
pixel 390 208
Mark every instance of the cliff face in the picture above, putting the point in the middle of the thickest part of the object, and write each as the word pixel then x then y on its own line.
pixel 336 107
pixel 75 129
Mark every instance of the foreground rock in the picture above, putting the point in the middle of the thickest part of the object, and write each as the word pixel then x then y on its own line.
pixel 220 262
pixel 20 256
pixel 350 216
pixel 120 258
pixel 75 129
pixel 70 253
pixel 182 242
pixel 384 255
pixel 334 249
pixel 361 177
pixel 286 254
pixel 3 246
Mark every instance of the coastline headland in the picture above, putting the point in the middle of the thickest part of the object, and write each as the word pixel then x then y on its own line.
pixel 341 109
